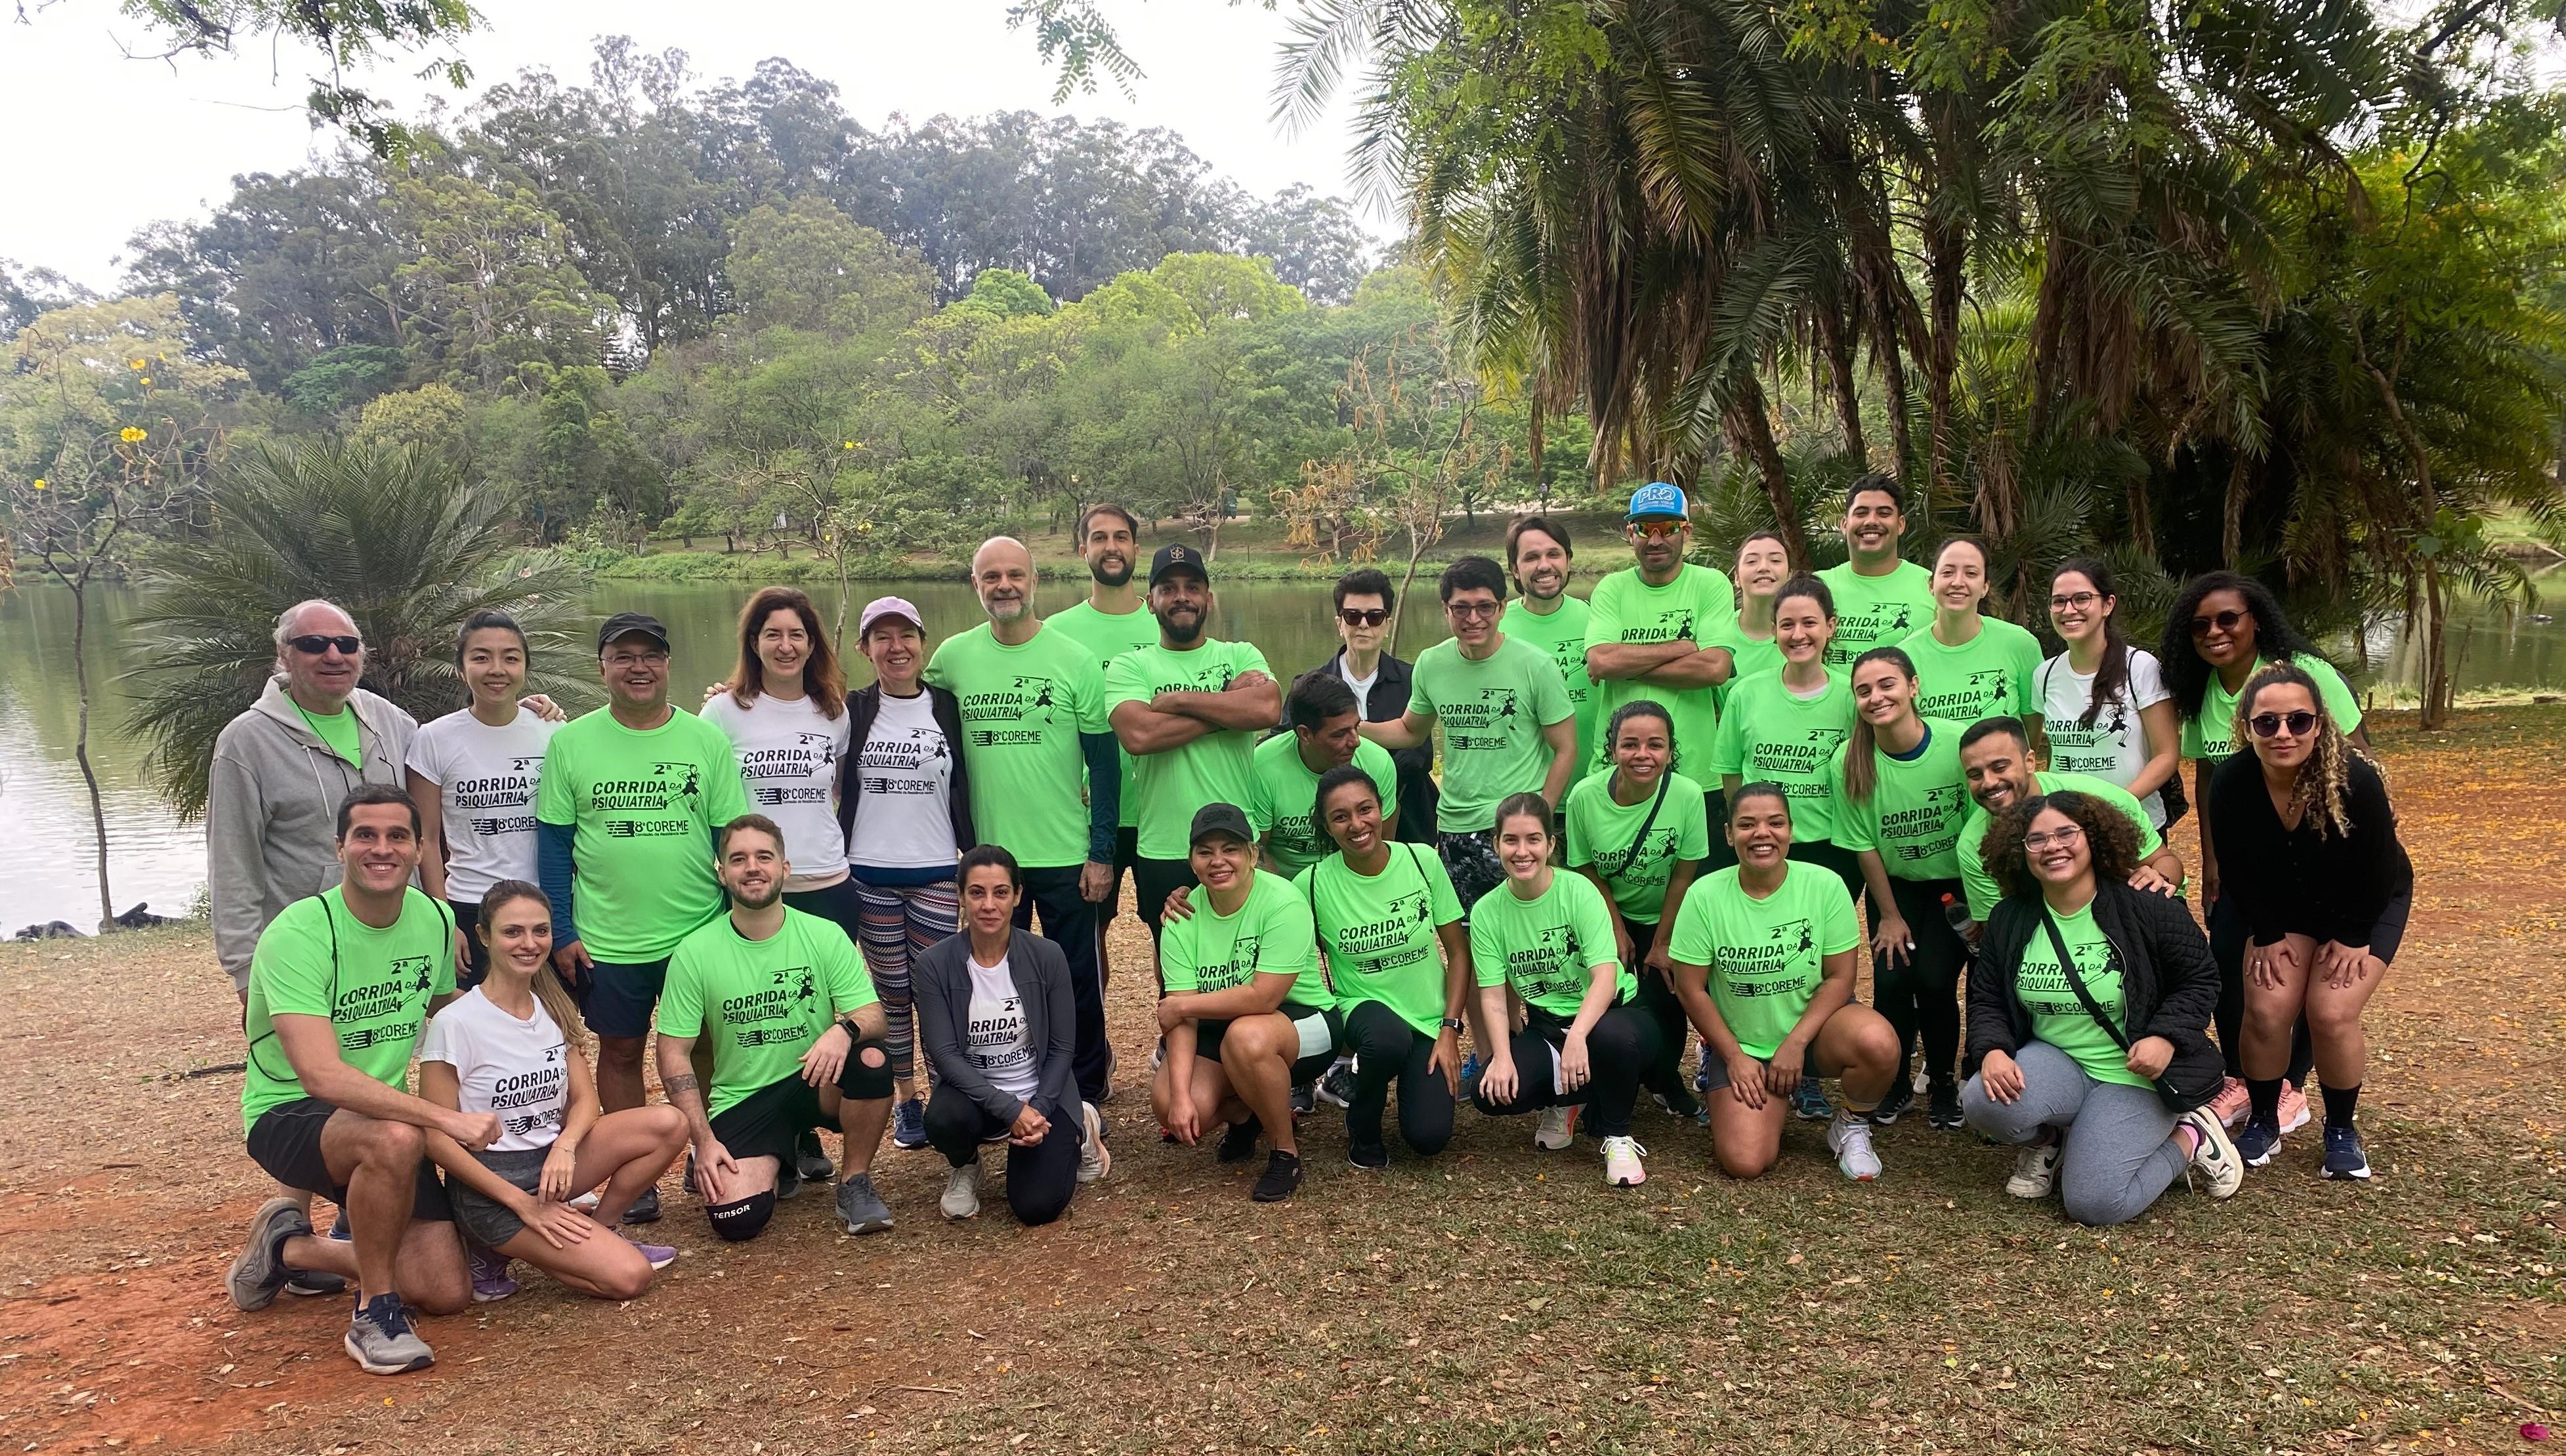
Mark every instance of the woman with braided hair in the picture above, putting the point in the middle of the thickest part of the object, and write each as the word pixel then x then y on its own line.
pixel 2309 841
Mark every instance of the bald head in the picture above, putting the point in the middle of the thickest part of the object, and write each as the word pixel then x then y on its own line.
pixel 319 680
pixel 1002 572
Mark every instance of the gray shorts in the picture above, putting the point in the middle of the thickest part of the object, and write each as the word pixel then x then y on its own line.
pixel 490 1224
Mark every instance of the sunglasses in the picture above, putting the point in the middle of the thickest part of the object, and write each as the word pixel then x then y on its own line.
pixel 1659 530
pixel 316 643
pixel 2266 725
pixel 1363 616
pixel 2225 621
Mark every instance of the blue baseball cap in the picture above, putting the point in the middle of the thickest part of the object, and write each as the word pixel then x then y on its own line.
pixel 1657 498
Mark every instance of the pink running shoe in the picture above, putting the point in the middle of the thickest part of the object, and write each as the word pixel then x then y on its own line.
pixel 2233 1102
pixel 2294 1109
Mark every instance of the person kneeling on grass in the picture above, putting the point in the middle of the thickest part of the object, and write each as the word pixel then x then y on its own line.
pixel 1246 1014
pixel 1587 1039
pixel 998 1022
pixel 504 1048
pixel 796 1045
pixel 1763 959
pixel 2089 1008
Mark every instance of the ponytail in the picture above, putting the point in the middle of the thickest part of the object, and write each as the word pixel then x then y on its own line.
pixel 1862 767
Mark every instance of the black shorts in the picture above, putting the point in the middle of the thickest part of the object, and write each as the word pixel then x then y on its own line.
pixel 617 996
pixel 1151 882
pixel 286 1142
pixel 1313 1025
pixel 766 1122
pixel 1127 853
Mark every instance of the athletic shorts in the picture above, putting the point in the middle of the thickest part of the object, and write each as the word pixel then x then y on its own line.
pixel 487 1223
pixel 286 1142
pixel 616 998
pixel 1322 1032
pixel 766 1122
pixel 1127 853
pixel 1714 1072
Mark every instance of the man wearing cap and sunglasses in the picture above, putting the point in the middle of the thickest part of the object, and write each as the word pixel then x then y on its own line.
pixel 1649 629
pixel 1187 709
pixel 625 822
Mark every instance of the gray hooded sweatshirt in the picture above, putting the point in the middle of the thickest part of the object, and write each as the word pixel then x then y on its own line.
pixel 272 811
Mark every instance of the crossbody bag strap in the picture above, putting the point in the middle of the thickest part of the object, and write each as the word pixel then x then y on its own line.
pixel 1632 853
pixel 2067 967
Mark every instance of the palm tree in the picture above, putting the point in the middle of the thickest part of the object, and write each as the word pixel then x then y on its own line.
pixel 397 537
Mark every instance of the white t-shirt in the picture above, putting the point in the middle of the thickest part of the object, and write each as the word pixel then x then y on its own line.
pixel 901 818
pixel 1361 685
pixel 2115 749
pixel 486 780
pixel 997 1040
pixel 789 754
pixel 519 1069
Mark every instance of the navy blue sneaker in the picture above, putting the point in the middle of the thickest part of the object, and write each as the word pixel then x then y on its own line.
pixel 2343 1156
pixel 2259 1139
pixel 1809 1101
pixel 908 1123
pixel 1471 1070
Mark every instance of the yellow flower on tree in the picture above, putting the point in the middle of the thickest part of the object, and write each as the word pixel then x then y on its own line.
pixel 132 436
pixel 146 381
pixel 40 482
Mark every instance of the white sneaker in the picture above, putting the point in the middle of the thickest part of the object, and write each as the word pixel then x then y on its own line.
pixel 1557 1131
pixel 1094 1159
pixel 2215 1160
pixel 1849 1138
pixel 1622 1162
pixel 962 1192
pixel 2035 1171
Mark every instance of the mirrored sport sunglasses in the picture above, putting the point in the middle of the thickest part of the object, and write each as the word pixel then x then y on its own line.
pixel 2267 725
pixel 1657 528
pixel 316 643
pixel 1363 616
pixel 2225 621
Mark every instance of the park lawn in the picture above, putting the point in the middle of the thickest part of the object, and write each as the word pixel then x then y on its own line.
pixel 1495 1300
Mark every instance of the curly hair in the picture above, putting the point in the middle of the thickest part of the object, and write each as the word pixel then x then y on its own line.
pixel 1643 708
pixel 2320 788
pixel 2108 836
pixel 2187 675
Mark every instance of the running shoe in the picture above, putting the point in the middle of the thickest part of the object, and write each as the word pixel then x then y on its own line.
pixel 1471 1070
pixel 644 1209
pixel 961 1192
pixel 380 1340
pixel 788 1183
pixel 1371 1157
pixel 1809 1101
pixel 660 1255
pixel 1305 1099
pixel 2233 1102
pixel 259 1271
pixel 1095 1159
pixel 1282 1177
pixel 1238 1144
pixel 1622 1162
pixel 908 1123
pixel 1677 1103
pixel 1849 1137
pixel 810 1160
pixel 1337 1089
pixel 2214 1158
pixel 2294 1107
pixel 2344 1158
pixel 490 1281
pixel 1557 1129
pixel 2258 1140
pixel 859 1208
pixel 2035 1171
pixel 1702 1076
pixel 1943 1105
pixel 1900 1101
pixel 311 1284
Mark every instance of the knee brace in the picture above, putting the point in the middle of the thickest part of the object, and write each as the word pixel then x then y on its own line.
pixel 863 1083
pixel 743 1219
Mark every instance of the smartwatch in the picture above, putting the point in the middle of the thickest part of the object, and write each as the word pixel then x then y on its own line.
pixel 1451 1023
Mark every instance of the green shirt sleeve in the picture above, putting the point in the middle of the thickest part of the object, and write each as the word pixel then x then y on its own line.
pixel 1838 930
pixel 554 801
pixel 1421 686
pixel 1728 741
pixel 850 987
pixel 2338 695
pixel 1975 882
pixel 1692 826
pixel 1550 704
pixel 1176 954
pixel 1124 682
pixel 2026 675
pixel 1691 943
pixel 1290 943
pixel 1603 613
pixel 1856 824
pixel 1594 919
pixel 1577 835
pixel 292 969
pixel 1487 946
pixel 681 997
pixel 725 787
pixel 1086 692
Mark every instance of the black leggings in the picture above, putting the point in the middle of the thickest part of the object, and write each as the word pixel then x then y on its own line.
pixel 1040 1178
pixel 2228 938
pixel 1664 1072
pixel 1618 1051
pixel 1923 994
pixel 1386 1047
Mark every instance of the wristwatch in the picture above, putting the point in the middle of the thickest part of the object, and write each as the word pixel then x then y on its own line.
pixel 1451 1023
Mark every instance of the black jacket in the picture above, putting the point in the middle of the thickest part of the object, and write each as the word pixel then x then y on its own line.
pixel 1387 703
pixel 862 706
pixel 2169 984
pixel 2356 889
pixel 940 982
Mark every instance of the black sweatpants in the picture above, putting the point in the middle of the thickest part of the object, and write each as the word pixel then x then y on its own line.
pixel 1388 1049
pixel 2228 938
pixel 1923 996
pixel 1619 1050
pixel 1069 919
pixel 1152 881
pixel 1664 1074
pixel 1040 1180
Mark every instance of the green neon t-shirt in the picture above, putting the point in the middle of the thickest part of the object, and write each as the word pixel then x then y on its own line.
pixel 1268 935
pixel 2058 1016
pixel 642 808
pixel 338 730
pixel 1562 634
pixel 1915 809
pixel 316 958
pixel 1213 769
pixel 1109 636
pixel 1492 712
pixel 1604 832
pixel 1023 708
pixel 1748 656
pixel 764 1001
pixel 1980 883
pixel 1547 948
pixel 1698 607
pixel 2208 735
pixel 1378 931
pixel 1282 794
pixel 1989 675
pixel 1770 732
pixel 1765 959
pixel 1871 611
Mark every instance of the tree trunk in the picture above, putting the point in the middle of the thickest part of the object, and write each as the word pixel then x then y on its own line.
pixel 2231 523
pixel 79 753
pixel 1836 341
pixel 1751 435
pixel 2439 688
pixel 1945 255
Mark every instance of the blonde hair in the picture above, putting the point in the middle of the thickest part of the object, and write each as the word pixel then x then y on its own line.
pixel 2319 791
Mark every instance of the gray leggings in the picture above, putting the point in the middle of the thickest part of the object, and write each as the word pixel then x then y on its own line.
pixel 2120 1150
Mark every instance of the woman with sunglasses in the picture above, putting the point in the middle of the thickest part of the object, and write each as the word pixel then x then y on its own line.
pixel 2103 701
pixel 1970 665
pixel 2317 873
pixel 474 774
pixel 1639 831
pixel 2222 629
pixel 2087 1005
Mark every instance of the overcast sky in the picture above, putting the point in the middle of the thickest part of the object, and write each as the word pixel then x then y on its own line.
pixel 98 145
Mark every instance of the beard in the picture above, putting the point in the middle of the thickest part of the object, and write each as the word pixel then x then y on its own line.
pixel 1180 630
pixel 1109 575
pixel 774 892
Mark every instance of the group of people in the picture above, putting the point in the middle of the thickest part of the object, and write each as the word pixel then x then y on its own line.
pixel 1525 870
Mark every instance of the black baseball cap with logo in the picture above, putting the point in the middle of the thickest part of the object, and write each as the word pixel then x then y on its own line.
pixel 1176 555
pixel 1221 819
pixel 631 624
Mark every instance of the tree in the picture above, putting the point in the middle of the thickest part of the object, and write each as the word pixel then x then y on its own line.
pixel 808 267
pixel 493 286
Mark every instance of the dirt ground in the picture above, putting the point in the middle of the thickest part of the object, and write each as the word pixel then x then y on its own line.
pixel 1496 1299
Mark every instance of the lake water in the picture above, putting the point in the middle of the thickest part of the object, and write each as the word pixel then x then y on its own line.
pixel 46 865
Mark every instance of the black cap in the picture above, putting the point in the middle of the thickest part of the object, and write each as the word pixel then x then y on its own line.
pixel 1227 818
pixel 625 623
pixel 1176 555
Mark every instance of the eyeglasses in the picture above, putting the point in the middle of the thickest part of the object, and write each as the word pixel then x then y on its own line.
pixel 316 643
pixel 2268 725
pixel 649 657
pixel 1659 530
pixel 1472 608
pixel 2074 600
pixel 2225 621
pixel 1363 616
pixel 2063 839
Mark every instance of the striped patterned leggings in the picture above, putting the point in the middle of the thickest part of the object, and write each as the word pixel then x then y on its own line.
pixel 895 924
